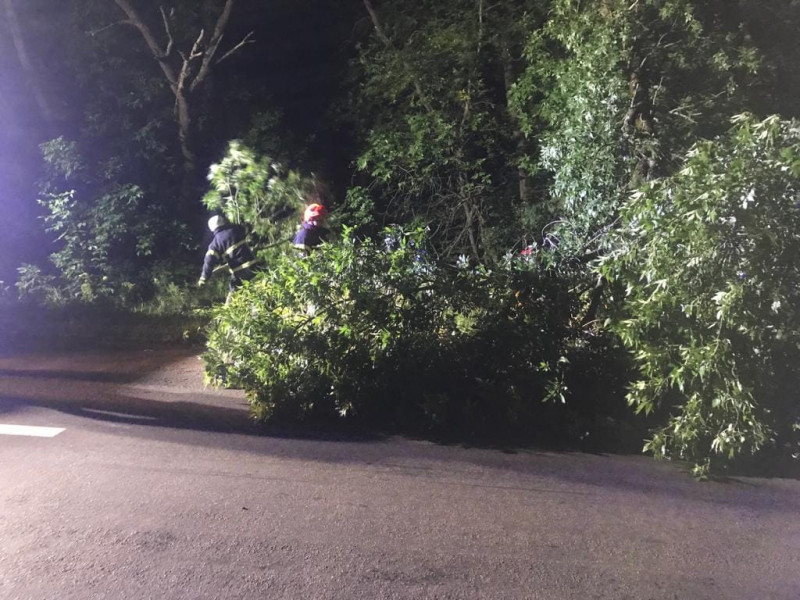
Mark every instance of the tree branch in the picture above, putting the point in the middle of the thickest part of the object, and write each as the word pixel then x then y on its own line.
pixel 376 23
pixel 388 43
pixel 136 21
pixel 187 62
pixel 213 44
pixel 245 40
pixel 170 41
pixel 94 32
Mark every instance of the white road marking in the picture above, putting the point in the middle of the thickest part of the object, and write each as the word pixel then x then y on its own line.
pixel 111 413
pixel 30 431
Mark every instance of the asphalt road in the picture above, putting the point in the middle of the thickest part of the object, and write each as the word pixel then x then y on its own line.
pixel 159 488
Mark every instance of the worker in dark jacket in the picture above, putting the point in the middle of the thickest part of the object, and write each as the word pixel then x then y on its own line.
pixel 311 233
pixel 230 246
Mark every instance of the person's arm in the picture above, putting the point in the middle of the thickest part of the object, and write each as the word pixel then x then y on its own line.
pixel 299 240
pixel 211 259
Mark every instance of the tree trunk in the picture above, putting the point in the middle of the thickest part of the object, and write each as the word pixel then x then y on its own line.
pixel 39 97
pixel 639 125
pixel 185 72
pixel 523 178
pixel 184 119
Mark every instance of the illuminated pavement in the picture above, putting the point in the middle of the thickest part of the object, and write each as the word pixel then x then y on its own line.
pixel 159 488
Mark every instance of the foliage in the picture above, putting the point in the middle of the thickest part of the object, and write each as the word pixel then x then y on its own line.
pixel 105 230
pixel 438 142
pixel 706 265
pixel 358 212
pixel 616 94
pixel 257 192
pixel 377 332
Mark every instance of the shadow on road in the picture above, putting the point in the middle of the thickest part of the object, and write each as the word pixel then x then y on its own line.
pixel 121 408
pixel 96 376
pixel 202 422
pixel 149 398
pixel 174 412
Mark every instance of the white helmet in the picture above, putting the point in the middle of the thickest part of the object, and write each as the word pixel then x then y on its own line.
pixel 216 222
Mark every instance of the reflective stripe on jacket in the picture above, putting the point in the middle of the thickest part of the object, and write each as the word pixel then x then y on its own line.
pixel 229 245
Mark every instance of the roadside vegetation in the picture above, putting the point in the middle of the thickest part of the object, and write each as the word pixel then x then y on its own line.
pixel 552 222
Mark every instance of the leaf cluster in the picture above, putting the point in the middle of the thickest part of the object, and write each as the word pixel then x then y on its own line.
pixel 437 140
pixel 106 232
pixel 616 95
pixel 705 267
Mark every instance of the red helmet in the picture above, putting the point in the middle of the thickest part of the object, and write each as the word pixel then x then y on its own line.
pixel 313 212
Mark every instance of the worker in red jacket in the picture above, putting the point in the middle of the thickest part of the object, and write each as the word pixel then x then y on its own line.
pixel 311 233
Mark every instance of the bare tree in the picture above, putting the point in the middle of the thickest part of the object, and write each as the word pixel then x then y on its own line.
pixel 186 70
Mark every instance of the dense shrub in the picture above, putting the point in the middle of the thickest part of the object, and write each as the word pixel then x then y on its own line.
pixel 706 267
pixel 375 331
pixel 109 237
pixel 116 276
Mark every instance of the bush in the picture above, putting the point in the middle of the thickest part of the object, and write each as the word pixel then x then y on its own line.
pixel 107 234
pixel 706 270
pixel 377 332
